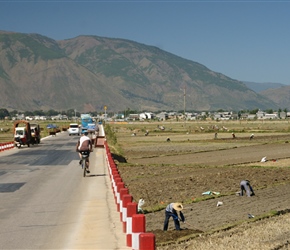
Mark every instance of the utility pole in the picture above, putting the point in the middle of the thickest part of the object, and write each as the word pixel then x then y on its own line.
pixel 184 94
pixel 105 108
pixel 184 102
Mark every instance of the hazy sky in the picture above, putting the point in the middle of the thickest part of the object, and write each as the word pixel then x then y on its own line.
pixel 245 40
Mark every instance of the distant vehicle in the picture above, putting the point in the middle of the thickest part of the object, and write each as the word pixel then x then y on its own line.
pixel 74 129
pixel 88 123
pixel 35 132
pixel 51 126
pixel 22 134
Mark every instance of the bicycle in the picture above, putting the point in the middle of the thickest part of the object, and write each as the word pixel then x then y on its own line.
pixel 85 162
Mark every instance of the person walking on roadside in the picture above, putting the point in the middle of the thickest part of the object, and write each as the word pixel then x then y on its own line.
pixel 246 187
pixel 172 210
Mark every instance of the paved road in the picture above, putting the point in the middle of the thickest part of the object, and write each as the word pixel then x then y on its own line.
pixel 45 203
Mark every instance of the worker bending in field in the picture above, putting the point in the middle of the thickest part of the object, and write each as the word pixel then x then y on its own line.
pixel 172 210
pixel 246 187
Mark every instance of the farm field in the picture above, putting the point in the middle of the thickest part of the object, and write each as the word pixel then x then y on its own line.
pixel 182 161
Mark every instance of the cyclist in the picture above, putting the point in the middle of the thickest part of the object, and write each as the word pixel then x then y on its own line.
pixel 84 146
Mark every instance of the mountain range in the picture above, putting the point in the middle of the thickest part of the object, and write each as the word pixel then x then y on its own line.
pixel 88 73
pixel 260 87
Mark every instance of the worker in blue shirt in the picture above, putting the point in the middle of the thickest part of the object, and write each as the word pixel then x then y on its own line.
pixel 172 210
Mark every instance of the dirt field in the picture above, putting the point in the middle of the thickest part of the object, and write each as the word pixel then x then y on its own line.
pixel 192 162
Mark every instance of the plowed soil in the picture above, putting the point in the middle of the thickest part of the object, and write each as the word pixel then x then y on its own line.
pixel 181 169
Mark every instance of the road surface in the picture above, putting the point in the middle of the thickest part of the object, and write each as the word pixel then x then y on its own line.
pixel 45 203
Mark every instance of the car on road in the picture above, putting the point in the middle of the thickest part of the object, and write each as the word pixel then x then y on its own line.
pixel 74 129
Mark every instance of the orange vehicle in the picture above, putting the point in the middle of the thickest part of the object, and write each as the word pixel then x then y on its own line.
pixel 22 134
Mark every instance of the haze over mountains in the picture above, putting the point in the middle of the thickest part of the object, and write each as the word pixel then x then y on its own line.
pixel 89 72
pixel 260 87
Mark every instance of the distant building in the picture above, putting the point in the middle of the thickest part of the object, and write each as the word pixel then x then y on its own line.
pixel 119 116
pixel 260 114
pixel 133 117
pixel 283 115
pixel 162 116
pixel 271 116
pixel 146 116
pixel 263 115
pixel 28 118
pixel 222 116
pixel 251 116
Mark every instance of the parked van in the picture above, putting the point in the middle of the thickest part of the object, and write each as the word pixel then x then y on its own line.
pixel 74 129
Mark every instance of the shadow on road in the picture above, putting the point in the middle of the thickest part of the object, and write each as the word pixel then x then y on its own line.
pixel 95 175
